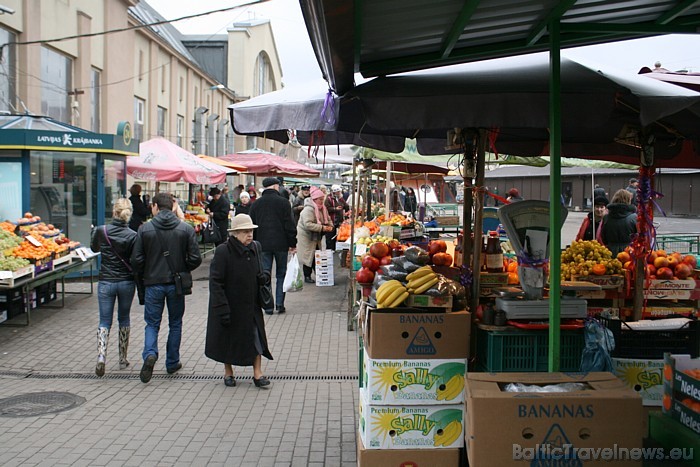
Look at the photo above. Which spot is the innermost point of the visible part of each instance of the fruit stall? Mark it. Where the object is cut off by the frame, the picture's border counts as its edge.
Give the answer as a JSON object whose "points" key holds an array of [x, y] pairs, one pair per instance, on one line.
{"points": [[34, 258]]}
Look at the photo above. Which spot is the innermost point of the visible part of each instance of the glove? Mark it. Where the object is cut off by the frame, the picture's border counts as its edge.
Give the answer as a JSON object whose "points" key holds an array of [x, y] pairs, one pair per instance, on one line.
{"points": [[225, 320]]}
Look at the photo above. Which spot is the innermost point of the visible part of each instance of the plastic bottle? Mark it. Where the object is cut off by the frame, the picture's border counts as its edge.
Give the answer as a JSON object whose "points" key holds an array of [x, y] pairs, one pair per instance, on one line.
{"points": [[483, 252], [494, 254]]}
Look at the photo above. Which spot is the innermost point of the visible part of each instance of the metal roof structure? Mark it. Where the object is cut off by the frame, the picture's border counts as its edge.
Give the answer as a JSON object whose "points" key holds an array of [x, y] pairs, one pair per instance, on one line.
{"points": [[382, 37]]}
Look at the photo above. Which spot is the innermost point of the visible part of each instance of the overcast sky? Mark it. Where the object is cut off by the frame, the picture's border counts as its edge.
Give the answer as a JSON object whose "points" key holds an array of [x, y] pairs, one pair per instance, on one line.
{"points": [[299, 63]]}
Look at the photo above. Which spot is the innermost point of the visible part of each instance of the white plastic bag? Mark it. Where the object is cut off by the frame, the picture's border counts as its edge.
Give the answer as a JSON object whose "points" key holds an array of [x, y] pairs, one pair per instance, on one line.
{"points": [[293, 279]]}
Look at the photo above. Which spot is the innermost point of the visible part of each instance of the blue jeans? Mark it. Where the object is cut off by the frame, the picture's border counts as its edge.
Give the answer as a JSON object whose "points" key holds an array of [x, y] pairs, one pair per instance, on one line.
{"points": [[156, 297], [280, 258], [107, 294]]}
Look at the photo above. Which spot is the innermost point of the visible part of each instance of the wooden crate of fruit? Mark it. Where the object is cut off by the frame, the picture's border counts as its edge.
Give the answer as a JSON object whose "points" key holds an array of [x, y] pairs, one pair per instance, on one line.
{"points": [[10, 278]]}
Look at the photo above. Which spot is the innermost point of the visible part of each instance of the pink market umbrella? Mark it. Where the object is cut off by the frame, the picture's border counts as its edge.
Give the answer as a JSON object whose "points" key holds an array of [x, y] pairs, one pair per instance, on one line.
{"points": [[163, 161], [261, 162]]}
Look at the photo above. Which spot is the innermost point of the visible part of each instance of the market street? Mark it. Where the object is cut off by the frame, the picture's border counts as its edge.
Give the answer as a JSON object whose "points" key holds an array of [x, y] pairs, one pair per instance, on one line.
{"points": [[308, 417]]}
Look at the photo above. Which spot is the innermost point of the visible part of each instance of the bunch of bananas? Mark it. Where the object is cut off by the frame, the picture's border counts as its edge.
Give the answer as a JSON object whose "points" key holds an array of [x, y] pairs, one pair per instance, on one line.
{"points": [[421, 280], [452, 389], [449, 435], [391, 294]]}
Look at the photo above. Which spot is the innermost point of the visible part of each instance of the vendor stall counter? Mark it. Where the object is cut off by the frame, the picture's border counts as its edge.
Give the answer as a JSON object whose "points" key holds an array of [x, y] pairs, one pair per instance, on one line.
{"points": [[59, 273]]}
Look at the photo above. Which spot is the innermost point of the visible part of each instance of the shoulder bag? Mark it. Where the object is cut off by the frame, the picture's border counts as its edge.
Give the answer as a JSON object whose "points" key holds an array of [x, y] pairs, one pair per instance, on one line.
{"points": [[267, 300], [183, 279]]}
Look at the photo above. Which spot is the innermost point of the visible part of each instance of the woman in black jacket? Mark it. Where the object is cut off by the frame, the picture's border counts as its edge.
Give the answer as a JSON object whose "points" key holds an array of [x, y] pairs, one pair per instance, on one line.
{"points": [[235, 325], [116, 281], [219, 208], [620, 223]]}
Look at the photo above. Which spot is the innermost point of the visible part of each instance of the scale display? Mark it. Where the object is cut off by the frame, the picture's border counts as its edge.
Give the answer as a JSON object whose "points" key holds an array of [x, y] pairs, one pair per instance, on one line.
{"points": [[527, 225]]}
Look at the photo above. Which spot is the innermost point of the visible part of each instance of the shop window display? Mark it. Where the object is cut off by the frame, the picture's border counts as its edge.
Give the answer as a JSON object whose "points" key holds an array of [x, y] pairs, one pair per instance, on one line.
{"points": [[62, 191]]}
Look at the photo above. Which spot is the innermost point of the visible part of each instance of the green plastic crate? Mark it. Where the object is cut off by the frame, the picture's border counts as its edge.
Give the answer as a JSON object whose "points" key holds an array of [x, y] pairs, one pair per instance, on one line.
{"points": [[685, 244], [515, 350]]}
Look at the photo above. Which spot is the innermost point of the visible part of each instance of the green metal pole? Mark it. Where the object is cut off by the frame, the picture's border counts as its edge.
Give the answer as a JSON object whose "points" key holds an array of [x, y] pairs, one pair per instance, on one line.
{"points": [[554, 194]]}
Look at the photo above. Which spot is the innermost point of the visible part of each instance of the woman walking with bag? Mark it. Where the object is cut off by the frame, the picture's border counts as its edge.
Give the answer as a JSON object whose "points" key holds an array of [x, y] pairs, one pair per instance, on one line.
{"points": [[314, 221], [116, 281], [235, 326]]}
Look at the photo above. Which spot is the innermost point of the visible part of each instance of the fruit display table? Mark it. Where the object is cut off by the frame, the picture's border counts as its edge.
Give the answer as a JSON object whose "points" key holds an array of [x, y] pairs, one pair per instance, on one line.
{"points": [[26, 285]]}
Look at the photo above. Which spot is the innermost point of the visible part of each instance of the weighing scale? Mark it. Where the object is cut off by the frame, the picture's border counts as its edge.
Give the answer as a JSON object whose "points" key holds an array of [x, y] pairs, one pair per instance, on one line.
{"points": [[527, 225]]}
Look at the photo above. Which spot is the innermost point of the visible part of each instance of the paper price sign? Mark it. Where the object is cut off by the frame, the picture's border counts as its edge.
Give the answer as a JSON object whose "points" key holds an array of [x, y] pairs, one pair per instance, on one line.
{"points": [[360, 249], [33, 240]]}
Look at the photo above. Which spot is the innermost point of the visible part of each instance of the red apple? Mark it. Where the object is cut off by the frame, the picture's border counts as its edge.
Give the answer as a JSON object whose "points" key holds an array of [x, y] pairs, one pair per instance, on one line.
{"points": [[437, 246], [664, 273], [364, 276], [683, 271], [385, 260], [691, 261], [370, 262], [651, 270], [661, 262], [379, 249]]}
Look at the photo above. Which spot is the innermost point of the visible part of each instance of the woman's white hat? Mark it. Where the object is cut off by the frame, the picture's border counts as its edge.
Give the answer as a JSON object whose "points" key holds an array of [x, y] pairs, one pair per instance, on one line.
{"points": [[242, 222]]}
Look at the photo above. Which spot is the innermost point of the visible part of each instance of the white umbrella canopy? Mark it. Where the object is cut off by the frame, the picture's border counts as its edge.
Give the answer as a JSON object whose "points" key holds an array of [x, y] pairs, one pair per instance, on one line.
{"points": [[602, 112]]}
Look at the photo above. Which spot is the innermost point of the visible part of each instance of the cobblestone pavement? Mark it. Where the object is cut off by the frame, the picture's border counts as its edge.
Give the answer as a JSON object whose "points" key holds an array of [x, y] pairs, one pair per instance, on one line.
{"points": [[308, 417]]}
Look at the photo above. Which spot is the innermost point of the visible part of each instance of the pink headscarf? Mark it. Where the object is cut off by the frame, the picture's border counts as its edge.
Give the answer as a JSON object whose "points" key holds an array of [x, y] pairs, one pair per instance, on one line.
{"points": [[322, 216]]}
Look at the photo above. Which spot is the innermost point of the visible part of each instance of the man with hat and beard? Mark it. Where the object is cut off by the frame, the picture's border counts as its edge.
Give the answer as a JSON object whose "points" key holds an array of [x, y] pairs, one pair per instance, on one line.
{"points": [[276, 233]]}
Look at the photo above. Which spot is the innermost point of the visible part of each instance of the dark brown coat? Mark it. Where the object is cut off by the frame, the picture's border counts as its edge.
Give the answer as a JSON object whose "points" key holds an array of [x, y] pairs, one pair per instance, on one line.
{"points": [[233, 290]]}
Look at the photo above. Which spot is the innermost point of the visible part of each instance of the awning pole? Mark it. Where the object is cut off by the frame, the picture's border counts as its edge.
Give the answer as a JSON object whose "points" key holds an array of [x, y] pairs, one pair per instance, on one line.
{"points": [[554, 194], [477, 198]]}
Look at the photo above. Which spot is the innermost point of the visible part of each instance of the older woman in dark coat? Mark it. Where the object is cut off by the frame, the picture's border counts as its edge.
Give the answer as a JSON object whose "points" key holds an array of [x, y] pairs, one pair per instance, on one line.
{"points": [[235, 327]]}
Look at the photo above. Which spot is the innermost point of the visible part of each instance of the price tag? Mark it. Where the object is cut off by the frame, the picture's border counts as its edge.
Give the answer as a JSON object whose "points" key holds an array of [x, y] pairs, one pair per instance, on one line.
{"points": [[33, 240], [5, 274], [360, 249], [82, 253]]}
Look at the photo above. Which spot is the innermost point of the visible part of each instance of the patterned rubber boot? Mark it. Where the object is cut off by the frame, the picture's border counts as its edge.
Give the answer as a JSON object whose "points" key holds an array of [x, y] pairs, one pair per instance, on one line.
{"points": [[102, 338], [123, 347]]}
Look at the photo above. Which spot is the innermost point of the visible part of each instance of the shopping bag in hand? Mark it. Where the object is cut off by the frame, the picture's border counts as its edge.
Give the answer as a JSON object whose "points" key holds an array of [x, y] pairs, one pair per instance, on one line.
{"points": [[293, 280]]}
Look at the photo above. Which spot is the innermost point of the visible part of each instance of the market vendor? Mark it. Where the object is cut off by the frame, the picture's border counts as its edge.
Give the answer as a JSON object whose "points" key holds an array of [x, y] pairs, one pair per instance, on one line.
{"points": [[336, 207], [600, 209]]}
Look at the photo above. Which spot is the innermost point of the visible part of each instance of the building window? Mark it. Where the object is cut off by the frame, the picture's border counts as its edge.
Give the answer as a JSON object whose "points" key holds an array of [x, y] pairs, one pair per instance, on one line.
{"points": [[55, 85], [7, 71], [139, 117], [182, 88], [162, 119], [95, 101], [140, 65], [264, 77], [163, 78], [196, 97], [180, 129]]}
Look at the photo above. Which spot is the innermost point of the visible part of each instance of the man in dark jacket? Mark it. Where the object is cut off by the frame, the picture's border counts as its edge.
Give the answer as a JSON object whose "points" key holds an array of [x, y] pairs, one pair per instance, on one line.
{"points": [[276, 233], [140, 211], [298, 204], [337, 207], [620, 223], [218, 209], [164, 235]]}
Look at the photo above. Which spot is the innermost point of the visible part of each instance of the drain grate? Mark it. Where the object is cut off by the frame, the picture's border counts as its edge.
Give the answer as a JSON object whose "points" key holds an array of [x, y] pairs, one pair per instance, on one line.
{"points": [[181, 377], [38, 403]]}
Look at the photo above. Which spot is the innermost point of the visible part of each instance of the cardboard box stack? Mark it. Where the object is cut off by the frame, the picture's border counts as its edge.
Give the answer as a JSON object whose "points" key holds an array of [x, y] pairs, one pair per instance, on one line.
{"points": [[681, 399], [599, 415], [324, 268], [412, 374], [638, 356]]}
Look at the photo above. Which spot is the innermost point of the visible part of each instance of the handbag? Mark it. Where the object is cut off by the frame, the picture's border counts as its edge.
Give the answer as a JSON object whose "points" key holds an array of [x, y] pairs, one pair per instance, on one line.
{"points": [[267, 300], [183, 279], [211, 233]]}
